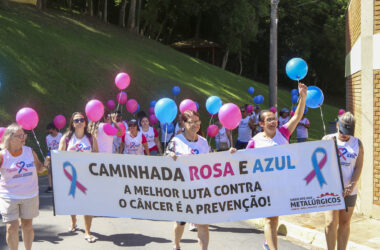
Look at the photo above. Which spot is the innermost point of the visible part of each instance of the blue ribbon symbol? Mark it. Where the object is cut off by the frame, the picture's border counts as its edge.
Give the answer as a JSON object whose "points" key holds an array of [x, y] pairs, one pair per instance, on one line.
{"points": [[318, 165], [73, 179]]}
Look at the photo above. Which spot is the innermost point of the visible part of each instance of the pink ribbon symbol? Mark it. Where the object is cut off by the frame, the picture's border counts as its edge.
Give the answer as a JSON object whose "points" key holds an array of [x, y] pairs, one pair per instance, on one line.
{"points": [[21, 165], [79, 147]]}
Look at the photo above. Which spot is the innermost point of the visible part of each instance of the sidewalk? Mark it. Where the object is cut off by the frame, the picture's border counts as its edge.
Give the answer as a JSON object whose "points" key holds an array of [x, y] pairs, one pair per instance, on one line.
{"points": [[309, 229]]}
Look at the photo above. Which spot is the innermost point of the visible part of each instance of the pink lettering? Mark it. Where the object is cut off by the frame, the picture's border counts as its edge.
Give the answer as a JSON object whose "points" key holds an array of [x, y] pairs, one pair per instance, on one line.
{"points": [[193, 172], [228, 169], [209, 172], [218, 170]]}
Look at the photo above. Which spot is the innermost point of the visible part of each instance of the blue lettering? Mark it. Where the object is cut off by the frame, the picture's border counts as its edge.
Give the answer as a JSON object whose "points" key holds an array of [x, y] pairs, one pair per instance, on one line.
{"points": [[282, 165], [269, 161], [258, 166], [289, 163]]}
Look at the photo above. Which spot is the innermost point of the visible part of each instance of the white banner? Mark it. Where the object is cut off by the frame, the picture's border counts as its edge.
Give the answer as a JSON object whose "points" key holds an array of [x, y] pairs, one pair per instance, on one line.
{"points": [[204, 189]]}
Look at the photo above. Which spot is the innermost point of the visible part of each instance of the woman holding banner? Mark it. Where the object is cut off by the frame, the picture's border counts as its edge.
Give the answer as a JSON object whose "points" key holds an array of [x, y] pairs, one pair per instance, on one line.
{"points": [[78, 139], [186, 143], [351, 153], [19, 165], [273, 136]]}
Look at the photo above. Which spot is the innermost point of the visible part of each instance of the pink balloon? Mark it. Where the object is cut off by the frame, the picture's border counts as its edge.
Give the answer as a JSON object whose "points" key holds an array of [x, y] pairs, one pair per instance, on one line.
{"points": [[273, 109], [121, 97], [212, 130], [123, 128], [59, 121], [2, 130], [187, 104], [94, 110], [153, 119], [151, 110], [111, 104], [132, 105], [249, 108], [229, 115], [341, 111], [27, 118], [109, 129], [122, 81]]}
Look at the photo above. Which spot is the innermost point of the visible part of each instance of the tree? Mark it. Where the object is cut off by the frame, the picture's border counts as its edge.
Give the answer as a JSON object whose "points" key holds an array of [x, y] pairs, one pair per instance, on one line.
{"points": [[273, 54], [123, 5], [131, 24], [105, 12]]}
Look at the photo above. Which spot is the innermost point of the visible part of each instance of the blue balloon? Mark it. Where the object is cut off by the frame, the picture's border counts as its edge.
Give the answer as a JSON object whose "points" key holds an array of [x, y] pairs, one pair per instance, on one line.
{"points": [[213, 104], [168, 127], [251, 90], [166, 110], [176, 90], [259, 99], [196, 104], [294, 92], [153, 103], [314, 97], [296, 68], [294, 99], [138, 109], [295, 107]]}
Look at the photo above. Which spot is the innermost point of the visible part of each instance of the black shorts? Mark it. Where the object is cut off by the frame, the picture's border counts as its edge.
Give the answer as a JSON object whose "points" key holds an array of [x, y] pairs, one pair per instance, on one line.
{"points": [[350, 200], [182, 223]]}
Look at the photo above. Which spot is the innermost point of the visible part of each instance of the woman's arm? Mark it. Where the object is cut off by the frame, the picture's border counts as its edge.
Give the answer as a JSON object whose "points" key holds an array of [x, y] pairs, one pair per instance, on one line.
{"points": [[229, 136], [158, 143], [293, 122], [145, 145], [357, 171], [114, 121], [62, 143], [39, 166], [95, 148]]}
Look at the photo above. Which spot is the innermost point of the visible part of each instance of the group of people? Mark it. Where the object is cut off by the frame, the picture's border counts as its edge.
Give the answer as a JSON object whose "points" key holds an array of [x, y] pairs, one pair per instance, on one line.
{"points": [[19, 164]]}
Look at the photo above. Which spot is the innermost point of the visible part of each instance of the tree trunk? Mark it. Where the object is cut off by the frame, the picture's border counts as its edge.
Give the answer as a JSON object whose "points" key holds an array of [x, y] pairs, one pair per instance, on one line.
{"points": [[198, 26], [225, 59], [122, 13], [40, 4], [131, 25], [240, 62], [105, 11], [69, 4], [138, 16], [273, 54], [90, 7]]}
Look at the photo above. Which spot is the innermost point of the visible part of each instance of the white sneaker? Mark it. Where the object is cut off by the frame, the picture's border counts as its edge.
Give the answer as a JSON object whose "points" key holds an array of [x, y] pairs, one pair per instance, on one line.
{"points": [[193, 227]]}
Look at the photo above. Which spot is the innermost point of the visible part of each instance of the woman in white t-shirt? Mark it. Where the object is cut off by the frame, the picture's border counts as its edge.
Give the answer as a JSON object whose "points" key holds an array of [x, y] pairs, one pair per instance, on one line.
{"points": [[187, 143], [351, 153], [223, 140], [134, 142], [78, 139], [105, 140], [52, 143], [151, 136], [19, 165], [284, 117], [273, 136], [302, 129]]}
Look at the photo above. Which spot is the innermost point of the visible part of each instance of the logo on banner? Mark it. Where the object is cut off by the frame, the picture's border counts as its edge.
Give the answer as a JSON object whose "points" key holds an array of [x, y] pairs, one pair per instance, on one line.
{"points": [[73, 178], [317, 167], [323, 200]]}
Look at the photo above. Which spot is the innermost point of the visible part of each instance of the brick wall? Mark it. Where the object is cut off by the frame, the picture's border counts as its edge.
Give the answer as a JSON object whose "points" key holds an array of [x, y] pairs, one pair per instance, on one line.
{"points": [[353, 23], [376, 20], [354, 99], [376, 138]]}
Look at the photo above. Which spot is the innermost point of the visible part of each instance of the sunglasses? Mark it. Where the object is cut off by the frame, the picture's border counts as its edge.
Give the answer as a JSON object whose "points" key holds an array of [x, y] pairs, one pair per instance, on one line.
{"points": [[80, 120], [340, 132]]}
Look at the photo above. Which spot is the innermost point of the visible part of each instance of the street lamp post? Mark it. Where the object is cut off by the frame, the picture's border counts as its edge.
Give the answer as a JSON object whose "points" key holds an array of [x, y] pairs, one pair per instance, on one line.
{"points": [[273, 54]]}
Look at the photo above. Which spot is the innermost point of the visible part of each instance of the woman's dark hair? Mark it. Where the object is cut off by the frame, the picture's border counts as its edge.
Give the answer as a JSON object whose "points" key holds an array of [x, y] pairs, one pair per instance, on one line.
{"points": [[187, 114], [71, 130], [51, 126], [262, 112], [140, 114]]}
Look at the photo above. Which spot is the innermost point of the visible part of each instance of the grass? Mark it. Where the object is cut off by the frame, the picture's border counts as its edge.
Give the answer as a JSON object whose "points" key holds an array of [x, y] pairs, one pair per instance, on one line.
{"points": [[55, 62]]}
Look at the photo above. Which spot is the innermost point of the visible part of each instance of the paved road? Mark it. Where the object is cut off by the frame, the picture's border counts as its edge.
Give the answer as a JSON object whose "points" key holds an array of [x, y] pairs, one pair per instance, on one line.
{"points": [[117, 233]]}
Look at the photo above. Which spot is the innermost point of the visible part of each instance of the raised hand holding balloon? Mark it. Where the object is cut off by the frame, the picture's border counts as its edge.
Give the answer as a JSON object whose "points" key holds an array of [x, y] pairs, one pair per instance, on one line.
{"points": [[27, 118]]}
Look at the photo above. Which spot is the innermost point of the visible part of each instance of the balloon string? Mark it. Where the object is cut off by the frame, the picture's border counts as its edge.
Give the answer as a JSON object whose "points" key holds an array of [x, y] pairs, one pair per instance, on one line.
{"points": [[166, 132], [209, 123], [38, 143], [323, 122], [118, 102]]}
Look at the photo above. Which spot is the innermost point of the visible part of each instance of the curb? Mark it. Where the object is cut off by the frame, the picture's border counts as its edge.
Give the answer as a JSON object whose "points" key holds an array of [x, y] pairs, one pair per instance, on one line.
{"points": [[306, 235]]}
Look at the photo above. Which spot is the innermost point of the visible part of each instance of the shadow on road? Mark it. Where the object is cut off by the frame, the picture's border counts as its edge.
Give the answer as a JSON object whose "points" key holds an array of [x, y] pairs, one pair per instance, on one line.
{"points": [[130, 240], [214, 228]]}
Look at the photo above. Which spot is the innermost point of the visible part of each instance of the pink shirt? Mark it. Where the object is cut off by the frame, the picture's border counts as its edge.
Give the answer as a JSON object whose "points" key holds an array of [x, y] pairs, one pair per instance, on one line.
{"points": [[281, 137]]}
